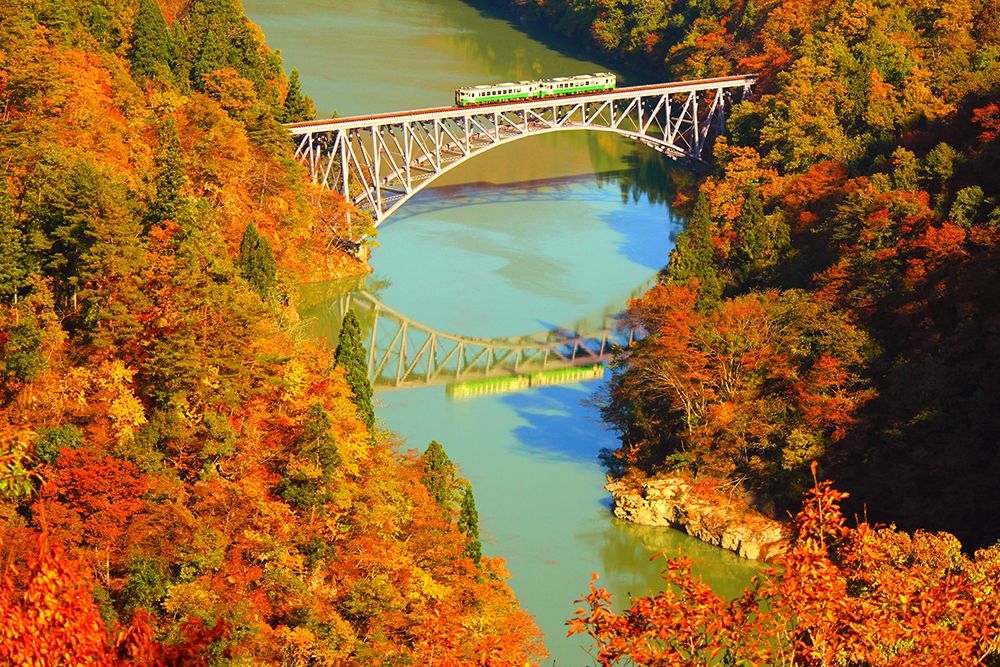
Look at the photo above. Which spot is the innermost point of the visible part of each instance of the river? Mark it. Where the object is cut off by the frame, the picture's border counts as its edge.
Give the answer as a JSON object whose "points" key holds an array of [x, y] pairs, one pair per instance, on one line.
{"points": [[553, 230]]}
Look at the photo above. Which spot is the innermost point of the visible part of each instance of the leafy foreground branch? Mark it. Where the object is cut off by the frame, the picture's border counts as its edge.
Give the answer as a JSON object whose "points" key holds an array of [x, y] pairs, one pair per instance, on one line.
{"points": [[846, 596]]}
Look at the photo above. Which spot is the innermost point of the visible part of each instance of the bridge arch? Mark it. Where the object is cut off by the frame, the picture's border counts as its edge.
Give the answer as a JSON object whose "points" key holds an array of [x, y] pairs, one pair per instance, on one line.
{"points": [[380, 162], [395, 201]]}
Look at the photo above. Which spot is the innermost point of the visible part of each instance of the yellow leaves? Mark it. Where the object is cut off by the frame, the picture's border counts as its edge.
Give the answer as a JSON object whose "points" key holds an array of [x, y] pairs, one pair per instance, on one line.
{"points": [[300, 646], [291, 561], [297, 645], [192, 599], [424, 587], [75, 385], [234, 93], [294, 375], [856, 22], [743, 170], [108, 386], [125, 411], [303, 469], [165, 102], [16, 453]]}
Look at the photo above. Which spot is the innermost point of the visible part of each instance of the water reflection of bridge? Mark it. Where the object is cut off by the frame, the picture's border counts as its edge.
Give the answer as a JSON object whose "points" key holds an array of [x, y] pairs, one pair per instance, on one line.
{"points": [[447, 197], [405, 353]]}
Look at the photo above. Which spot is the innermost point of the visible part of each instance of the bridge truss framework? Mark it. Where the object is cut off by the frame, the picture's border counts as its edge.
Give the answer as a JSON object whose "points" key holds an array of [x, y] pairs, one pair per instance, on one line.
{"points": [[405, 353], [379, 162]]}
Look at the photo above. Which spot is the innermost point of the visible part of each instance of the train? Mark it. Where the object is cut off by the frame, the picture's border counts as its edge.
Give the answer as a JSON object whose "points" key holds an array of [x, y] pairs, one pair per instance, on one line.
{"points": [[528, 90]]}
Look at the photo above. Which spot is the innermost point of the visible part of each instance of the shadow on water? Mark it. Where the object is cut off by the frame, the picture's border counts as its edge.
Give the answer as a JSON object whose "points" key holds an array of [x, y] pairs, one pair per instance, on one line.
{"points": [[559, 423], [636, 249], [447, 197]]}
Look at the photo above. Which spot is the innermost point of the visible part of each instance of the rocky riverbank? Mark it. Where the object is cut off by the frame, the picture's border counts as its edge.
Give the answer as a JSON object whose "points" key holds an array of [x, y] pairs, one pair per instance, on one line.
{"points": [[708, 516]]}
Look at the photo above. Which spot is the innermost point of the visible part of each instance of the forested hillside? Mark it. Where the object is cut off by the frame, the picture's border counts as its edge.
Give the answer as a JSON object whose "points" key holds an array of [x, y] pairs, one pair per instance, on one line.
{"points": [[834, 296], [183, 475]]}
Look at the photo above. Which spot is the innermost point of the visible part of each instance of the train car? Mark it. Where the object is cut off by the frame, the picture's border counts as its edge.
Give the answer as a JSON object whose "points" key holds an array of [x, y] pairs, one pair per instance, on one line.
{"points": [[581, 83], [497, 92], [525, 90]]}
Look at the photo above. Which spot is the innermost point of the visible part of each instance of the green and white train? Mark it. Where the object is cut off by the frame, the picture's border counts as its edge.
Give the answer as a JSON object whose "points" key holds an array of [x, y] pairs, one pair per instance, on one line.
{"points": [[527, 90]]}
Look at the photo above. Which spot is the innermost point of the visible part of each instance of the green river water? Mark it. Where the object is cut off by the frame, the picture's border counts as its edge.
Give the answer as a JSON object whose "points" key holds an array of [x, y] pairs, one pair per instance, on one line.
{"points": [[549, 231]]}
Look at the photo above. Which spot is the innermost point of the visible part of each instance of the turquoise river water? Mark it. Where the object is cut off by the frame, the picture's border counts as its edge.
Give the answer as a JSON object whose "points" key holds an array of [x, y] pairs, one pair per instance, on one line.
{"points": [[549, 231]]}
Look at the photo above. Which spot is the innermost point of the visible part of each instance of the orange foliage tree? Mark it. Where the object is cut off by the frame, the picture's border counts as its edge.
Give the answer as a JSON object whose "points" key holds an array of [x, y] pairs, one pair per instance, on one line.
{"points": [[754, 388], [50, 618], [845, 596]]}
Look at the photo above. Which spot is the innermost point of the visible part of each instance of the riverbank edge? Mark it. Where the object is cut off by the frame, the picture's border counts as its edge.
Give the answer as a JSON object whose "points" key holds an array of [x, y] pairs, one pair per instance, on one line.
{"points": [[710, 516]]}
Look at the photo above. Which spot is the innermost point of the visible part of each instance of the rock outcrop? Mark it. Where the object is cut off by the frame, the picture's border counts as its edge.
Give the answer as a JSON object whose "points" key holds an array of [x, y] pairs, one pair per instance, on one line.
{"points": [[712, 518]]}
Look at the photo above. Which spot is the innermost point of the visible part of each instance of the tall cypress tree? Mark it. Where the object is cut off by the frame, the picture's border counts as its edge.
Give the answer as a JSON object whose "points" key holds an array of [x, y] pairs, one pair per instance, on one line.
{"points": [[150, 41], [693, 255], [468, 523], [15, 264], [350, 355], [169, 175], [439, 476], [210, 58], [318, 445], [298, 107], [257, 262], [759, 241]]}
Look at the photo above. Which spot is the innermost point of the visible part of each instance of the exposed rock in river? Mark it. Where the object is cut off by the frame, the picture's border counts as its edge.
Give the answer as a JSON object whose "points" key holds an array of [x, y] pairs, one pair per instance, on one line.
{"points": [[712, 518]]}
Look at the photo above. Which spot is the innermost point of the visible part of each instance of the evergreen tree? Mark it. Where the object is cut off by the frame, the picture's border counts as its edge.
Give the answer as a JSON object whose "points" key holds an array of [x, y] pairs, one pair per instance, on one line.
{"points": [[181, 56], [350, 355], [15, 265], [693, 255], [210, 58], [302, 487], [150, 41], [170, 176], [468, 523], [257, 262], [759, 241], [752, 242], [74, 206], [439, 476], [297, 106]]}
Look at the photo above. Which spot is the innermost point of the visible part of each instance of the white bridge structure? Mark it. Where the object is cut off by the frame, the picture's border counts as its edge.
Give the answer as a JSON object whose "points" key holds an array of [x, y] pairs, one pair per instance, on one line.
{"points": [[405, 353], [378, 162]]}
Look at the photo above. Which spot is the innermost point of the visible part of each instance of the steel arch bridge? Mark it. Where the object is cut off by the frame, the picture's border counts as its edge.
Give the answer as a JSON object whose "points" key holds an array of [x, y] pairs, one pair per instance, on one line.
{"points": [[378, 162], [405, 353]]}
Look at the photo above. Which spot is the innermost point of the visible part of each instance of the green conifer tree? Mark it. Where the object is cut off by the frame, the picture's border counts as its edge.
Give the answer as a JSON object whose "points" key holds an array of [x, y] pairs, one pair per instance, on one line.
{"points": [[150, 41], [210, 58], [15, 264], [318, 446], [439, 476], [170, 176], [468, 523], [759, 240], [693, 255], [752, 242], [257, 262], [298, 107], [350, 355]]}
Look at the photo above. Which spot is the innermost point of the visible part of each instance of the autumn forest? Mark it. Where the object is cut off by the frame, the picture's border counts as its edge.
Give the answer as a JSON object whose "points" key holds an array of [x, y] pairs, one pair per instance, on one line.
{"points": [[188, 477]]}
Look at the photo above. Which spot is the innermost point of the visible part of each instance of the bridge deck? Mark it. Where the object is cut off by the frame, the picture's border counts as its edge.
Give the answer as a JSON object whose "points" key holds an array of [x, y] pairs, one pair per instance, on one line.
{"points": [[425, 114]]}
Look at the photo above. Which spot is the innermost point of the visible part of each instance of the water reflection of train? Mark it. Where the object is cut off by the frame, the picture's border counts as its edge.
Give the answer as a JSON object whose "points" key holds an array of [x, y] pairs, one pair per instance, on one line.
{"points": [[526, 90]]}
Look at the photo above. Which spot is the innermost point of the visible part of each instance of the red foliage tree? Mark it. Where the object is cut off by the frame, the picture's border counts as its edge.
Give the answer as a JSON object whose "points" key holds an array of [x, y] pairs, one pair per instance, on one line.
{"points": [[846, 596], [50, 618]]}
